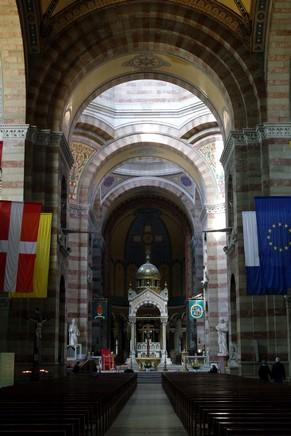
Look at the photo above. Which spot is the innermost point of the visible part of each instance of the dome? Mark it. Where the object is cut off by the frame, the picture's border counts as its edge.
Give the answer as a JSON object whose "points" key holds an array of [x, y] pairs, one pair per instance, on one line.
{"points": [[148, 270], [148, 275]]}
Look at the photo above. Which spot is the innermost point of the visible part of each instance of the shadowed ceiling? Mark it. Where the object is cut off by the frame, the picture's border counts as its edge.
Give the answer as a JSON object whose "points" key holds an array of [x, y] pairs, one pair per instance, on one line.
{"points": [[56, 6]]}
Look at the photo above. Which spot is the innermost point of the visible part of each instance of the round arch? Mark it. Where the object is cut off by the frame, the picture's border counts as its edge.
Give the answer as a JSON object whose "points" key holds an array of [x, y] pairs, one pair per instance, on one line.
{"points": [[160, 146], [132, 186], [154, 27]]}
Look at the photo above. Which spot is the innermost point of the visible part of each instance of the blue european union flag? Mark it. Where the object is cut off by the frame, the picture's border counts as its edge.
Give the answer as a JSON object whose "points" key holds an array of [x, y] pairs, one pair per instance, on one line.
{"points": [[274, 240]]}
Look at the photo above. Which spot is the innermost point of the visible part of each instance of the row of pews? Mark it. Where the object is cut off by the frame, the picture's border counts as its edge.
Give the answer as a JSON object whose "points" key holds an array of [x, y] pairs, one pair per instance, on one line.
{"points": [[224, 405], [79, 405]]}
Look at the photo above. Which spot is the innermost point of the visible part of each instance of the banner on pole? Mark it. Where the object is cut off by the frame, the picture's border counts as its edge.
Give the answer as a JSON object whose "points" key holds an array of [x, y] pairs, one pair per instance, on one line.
{"points": [[196, 309], [99, 309]]}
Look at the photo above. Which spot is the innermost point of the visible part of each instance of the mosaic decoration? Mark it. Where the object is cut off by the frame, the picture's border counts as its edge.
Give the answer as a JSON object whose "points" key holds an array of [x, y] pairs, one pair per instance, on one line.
{"points": [[186, 181], [146, 61], [81, 154], [110, 182]]}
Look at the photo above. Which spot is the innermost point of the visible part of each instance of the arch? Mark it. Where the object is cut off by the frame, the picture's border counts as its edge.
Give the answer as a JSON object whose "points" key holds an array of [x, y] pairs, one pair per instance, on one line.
{"points": [[151, 26], [186, 202], [161, 146], [147, 301]]}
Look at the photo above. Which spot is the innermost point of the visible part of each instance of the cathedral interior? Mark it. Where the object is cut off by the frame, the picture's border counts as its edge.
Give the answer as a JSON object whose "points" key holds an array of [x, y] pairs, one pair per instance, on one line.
{"points": [[146, 128]]}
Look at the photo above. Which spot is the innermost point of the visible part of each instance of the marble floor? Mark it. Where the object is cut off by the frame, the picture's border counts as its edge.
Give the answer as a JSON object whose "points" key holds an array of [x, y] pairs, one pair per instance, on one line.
{"points": [[148, 412]]}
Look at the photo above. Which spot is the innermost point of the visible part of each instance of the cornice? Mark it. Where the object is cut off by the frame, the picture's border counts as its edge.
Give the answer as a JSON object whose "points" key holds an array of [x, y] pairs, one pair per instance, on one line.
{"points": [[274, 131], [12, 131]]}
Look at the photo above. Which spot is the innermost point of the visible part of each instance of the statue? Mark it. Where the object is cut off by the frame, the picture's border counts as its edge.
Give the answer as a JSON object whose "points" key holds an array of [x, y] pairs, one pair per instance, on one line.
{"points": [[73, 333], [222, 340], [233, 356]]}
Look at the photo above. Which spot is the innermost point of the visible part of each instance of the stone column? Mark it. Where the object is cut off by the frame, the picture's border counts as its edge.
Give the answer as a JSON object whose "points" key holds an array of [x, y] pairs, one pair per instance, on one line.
{"points": [[164, 337], [132, 338]]}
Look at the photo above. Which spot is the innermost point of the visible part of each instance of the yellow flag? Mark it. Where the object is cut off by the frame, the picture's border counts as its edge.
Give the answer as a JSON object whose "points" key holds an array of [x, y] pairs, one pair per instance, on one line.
{"points": [[41, 266]]}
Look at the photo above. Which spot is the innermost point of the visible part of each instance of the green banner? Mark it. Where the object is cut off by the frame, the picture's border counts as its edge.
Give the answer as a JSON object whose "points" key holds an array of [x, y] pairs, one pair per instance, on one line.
{"points": [[196, 309]]}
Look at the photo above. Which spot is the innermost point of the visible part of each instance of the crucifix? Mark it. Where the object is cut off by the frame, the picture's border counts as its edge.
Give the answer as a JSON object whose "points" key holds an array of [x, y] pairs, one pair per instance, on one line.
{"points": [[148, 340], [38, 321]]}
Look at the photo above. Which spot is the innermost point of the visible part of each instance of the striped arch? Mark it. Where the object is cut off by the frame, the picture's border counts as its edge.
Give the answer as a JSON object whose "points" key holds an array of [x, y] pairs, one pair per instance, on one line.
{"points": [[183, 32], [160, 146], [132, 186]]}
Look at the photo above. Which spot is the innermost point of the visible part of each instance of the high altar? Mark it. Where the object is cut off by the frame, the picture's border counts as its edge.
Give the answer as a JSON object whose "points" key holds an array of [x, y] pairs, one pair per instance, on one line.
{"points": [[148, 317]]}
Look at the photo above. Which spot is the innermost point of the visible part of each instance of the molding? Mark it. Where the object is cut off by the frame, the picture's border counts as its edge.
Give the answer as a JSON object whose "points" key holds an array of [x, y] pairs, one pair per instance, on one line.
{"points": [[260, 24], [12, 131], [225, 16], [274, 131], [30, 19]]}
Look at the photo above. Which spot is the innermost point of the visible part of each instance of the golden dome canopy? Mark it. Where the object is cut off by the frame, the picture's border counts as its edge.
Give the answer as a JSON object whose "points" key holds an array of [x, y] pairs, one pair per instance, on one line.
{"points": [[148, 275]]}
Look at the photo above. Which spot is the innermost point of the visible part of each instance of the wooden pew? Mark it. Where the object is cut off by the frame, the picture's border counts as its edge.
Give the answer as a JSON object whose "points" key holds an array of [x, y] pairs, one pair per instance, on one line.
{"points": [[221, 405], [81, 405]]}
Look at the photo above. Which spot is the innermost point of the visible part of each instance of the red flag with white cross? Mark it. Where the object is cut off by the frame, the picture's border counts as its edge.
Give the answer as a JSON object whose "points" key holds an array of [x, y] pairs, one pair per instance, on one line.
{"points": [[18, 237]]}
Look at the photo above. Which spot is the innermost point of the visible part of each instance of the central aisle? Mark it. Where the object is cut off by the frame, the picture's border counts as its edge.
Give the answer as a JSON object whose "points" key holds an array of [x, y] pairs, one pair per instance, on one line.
{"points": [[148, 412]]}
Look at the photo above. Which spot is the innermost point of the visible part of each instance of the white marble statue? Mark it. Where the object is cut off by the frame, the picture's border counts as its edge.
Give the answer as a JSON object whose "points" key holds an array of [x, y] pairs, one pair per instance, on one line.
{"points": [[233, 356], [73, 332], [222, 330]]}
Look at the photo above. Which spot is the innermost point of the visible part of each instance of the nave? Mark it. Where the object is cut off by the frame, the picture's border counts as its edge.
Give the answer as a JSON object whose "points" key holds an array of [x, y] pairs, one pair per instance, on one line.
{"points": [[147, 412]]}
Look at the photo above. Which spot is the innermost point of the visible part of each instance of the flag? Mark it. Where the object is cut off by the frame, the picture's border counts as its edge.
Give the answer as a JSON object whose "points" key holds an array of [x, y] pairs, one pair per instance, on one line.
{"points": [[267, 246], [18, 235], [251, 248], [196, 309], [42, 260], [274, 240]]}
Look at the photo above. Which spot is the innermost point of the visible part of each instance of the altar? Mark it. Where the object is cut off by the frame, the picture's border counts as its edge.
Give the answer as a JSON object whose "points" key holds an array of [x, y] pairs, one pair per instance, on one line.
{"points": [[147, 362], [148, 317]]}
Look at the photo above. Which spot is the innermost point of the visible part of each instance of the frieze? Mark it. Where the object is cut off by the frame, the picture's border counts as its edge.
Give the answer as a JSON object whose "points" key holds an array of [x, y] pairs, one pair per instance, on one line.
{"points": [[268, 131], [11, 131], [227, 17], [250, 136]]}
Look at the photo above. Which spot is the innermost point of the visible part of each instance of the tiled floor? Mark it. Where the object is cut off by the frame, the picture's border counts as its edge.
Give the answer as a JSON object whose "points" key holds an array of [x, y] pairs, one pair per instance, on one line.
{"points": [[148, 412]]}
